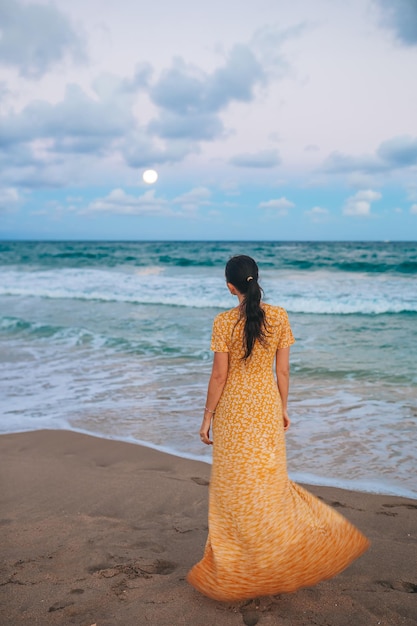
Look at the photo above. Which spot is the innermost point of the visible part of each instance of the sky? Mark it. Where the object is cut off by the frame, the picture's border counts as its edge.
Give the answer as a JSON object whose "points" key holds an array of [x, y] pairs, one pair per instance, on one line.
{"points": [[264, 119]]}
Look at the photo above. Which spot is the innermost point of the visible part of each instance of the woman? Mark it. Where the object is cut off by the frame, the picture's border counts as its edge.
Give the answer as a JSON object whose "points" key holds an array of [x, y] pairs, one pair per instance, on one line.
{"points": [[267, 535]]}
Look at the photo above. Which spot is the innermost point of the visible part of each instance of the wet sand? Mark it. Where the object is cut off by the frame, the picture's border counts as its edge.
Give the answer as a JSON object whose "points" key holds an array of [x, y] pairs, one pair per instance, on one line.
{"points": [[98, 532]]}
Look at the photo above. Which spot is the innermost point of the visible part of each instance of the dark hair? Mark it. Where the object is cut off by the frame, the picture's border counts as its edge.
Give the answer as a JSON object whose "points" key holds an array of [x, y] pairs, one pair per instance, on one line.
{"points": [[242, 272]]}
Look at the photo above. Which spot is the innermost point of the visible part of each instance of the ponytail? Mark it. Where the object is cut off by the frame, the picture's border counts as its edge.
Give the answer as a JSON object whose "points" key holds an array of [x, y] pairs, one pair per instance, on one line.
{"points": [[242, 273]]}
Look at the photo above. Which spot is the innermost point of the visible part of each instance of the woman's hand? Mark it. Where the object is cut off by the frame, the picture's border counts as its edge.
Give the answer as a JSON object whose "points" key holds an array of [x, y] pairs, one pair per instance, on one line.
{"points": [[286, 419], [205, 431]]}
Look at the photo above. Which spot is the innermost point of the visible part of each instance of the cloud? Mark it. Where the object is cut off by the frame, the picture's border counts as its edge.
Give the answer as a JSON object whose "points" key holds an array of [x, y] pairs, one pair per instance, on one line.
{"points": [[190, 100], [278, 203], [360, 203], [78, 123], [139, 150], [392, 154], [193, 199], [119, 202], [46, 136], [413, 209], [269, 40], [141, 77], [339, 163], [76, 137], [401, 17], [4, 89], [196, 126], [96, 127], [34, 37], [279, 206], [262, 159], [10, 199], [399, 151], [317, 214], [184, 89]]}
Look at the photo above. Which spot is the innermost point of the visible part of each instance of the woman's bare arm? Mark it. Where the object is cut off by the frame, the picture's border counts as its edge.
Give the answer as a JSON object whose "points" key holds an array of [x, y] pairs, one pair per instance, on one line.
{"points": [[215, 388], [282, 362]]}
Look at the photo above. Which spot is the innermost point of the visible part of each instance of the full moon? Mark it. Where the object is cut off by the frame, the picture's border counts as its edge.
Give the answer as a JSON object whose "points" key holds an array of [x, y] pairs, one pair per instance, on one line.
{"points": [[150, 176]]}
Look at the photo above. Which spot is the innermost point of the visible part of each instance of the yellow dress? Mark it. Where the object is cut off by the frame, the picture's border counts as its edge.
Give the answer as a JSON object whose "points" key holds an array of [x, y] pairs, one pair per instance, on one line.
{"points": [[267, 535]]}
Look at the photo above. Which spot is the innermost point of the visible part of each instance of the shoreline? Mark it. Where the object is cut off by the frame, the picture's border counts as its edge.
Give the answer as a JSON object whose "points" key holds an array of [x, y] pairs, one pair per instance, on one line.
{"points": [[102, 532], [307, 479]]}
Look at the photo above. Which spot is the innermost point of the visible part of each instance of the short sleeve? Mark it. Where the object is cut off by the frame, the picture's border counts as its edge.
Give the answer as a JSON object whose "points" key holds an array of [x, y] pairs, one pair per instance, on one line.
{"points": [[219, 335], [286, 338]]}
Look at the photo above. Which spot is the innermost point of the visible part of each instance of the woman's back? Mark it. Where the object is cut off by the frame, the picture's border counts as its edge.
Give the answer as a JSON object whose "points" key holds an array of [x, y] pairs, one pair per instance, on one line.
{"points": [[228, 330]]}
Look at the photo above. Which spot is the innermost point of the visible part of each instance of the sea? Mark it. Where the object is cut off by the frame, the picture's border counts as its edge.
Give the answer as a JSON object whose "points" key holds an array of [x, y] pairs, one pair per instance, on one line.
{"points": [[112, 339]]}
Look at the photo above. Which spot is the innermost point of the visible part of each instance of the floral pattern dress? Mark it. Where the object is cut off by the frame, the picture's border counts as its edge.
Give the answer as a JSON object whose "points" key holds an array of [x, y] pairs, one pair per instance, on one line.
{"points": [[267, 535]]}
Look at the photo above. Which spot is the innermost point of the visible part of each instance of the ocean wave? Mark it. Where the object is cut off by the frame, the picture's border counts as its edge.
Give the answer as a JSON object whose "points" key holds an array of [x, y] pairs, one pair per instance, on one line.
{"points": [[397, 258], [13, 326], [72, 336], [321, 294]]}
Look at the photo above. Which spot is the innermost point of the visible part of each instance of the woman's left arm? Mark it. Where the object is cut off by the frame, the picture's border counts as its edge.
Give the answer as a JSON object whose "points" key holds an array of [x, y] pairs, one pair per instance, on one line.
{"points": [[283, 381], [215, 389]]}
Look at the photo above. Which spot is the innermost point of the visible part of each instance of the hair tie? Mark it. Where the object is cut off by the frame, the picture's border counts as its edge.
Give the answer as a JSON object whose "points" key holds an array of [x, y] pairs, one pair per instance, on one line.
{"points": [[249, 278]]}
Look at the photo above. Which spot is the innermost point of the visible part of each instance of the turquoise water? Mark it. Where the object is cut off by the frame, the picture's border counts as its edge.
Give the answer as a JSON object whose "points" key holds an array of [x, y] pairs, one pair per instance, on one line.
{"points": [[113, 339]]}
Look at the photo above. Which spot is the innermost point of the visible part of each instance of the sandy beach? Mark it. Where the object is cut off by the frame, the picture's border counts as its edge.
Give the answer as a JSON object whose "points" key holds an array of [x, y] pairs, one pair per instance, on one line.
{"points": [[100, 532]]}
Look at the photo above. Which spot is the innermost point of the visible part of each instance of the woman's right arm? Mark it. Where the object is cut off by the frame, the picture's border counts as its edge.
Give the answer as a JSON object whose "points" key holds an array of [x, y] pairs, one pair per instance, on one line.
{"points": [[215, 389], [282, 364]]}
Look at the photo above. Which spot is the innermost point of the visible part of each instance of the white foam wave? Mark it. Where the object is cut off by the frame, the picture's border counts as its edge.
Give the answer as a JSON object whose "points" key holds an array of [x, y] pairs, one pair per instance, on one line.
{"points": [[324, 293]]}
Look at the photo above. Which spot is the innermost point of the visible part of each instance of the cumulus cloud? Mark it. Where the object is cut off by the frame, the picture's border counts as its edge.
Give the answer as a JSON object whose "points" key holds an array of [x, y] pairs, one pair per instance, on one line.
{"points": [[34, 37], [139, 150], [190, 100], [120, 202], [277, 203], [193, 199], [149, 204], [10, 199], [184, 88], [339, 163], [45, 135], [196, 126], [262, 159], [360, 203], [279, 206], [317, 214], [399, 151], [395, 153], [72, 122], [140, 79], [401, 17], [268, 41], [49, 143], [103, 124]]}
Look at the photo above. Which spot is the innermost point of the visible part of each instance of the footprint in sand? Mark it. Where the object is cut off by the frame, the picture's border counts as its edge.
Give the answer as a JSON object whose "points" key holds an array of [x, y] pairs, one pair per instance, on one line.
{"points": [[200, 481], [58, 606], [405, 506], [389, 513], [146, 569], [250, 612], [336, 504], [160, 567], [399, 585]]}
